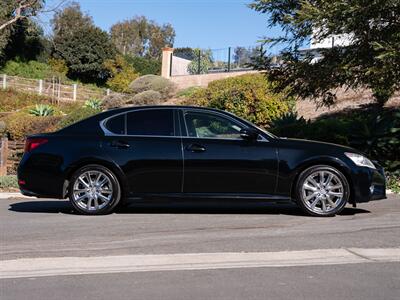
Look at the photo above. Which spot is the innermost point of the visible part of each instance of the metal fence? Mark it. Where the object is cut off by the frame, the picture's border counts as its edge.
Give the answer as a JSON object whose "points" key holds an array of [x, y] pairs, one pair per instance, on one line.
{"points": [[53, 88], [188, 61]]}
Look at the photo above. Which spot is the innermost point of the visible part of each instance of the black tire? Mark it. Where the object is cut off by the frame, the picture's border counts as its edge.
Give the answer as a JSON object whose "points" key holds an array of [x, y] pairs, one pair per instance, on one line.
{"points": [[318, 209], [115, 194]]}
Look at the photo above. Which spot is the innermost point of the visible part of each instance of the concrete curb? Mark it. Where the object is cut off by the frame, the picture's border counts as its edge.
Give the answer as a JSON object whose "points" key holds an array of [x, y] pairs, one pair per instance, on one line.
{"points": [[56, 266], [9, 195]]}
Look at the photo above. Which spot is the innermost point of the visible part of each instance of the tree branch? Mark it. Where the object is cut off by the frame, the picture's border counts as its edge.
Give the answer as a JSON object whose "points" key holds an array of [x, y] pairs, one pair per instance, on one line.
{"points": [[19, 12]]}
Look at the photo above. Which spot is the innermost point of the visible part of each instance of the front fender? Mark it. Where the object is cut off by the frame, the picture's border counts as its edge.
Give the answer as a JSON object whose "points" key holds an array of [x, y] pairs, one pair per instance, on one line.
{"points": [[289, 171]]}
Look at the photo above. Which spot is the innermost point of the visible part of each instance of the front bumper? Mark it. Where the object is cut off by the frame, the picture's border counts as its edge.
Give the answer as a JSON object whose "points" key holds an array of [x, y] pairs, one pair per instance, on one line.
{"points": [[368, 184]]}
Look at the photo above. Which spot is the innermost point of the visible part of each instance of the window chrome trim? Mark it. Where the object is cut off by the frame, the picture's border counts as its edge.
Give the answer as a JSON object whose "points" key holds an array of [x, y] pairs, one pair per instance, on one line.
{"points": [[107, 132]]}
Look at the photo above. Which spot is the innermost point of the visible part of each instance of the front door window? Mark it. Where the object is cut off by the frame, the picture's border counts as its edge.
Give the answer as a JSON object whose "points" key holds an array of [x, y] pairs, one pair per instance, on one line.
{"points": [[203, 125]]}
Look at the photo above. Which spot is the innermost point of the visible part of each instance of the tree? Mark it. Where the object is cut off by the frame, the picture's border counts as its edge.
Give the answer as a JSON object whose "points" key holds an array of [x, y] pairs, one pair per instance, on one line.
{"points": [[25, 42], [185, 53], [13, 11], [83, 46], [159, 37], [203, 65], [144, 66], [142, 37], [372, 59], [241, 56]]}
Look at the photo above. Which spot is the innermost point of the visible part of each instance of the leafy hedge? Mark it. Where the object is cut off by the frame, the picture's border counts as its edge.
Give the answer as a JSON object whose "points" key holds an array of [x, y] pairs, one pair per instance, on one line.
{"points": [[8, 182], [248, 96], [145, 66], [31, 69], [21, 124]]}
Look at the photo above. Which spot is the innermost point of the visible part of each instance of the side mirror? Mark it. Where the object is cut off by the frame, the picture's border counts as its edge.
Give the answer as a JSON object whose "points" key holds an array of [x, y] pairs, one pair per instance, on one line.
{"points": [[249, 134]]}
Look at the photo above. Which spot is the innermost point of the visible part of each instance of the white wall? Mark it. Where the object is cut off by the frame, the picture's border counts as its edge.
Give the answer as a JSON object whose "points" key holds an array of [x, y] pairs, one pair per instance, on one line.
{"points": [[180, 66], [335, 40]]}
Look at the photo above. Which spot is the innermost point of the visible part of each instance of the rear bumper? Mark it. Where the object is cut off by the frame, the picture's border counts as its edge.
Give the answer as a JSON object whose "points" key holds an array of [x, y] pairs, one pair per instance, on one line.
{"points": [[368, 184], [41, 181]]}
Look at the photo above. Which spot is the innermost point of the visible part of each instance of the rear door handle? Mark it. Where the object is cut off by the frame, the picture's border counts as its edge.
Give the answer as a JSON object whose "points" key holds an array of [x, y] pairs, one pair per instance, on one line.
{"points": [[120, 144], [195, 148]]}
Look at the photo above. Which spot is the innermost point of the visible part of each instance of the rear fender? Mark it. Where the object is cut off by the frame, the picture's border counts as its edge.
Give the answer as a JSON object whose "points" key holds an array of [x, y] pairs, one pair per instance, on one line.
{"points": [[109, 164]]}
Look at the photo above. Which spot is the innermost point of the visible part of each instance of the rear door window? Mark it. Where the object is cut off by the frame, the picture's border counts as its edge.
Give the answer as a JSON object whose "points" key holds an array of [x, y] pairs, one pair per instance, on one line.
{"points": [[152, 122]]}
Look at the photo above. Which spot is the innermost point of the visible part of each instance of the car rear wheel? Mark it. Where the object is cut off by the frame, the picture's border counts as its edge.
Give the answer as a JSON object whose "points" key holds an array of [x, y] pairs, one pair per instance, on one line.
{"points": [[94, 190], [322, 191]]}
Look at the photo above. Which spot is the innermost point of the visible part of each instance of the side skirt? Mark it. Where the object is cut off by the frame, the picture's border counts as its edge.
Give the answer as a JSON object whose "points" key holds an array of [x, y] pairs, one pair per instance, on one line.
{"points": [[205, 197]]}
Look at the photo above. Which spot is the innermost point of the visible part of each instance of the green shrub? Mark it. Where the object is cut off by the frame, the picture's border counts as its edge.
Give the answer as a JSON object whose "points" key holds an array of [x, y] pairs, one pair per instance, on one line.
{"points": [[31, 69], [147, 98], [122, 74], [290, 118], [8, 182], [248, 96], [58, 67], [338, 130], [67, 107], [93, 103], [3, 128], [42, 110], [115, 101], [393, 181], [11, 100], [188, 92], [75, 116], [144, 65], [153, 83], [21, 124]]}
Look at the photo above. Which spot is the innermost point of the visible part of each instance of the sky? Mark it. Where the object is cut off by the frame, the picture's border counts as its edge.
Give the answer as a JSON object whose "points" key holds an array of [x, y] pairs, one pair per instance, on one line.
{"points": [[211, 24]]}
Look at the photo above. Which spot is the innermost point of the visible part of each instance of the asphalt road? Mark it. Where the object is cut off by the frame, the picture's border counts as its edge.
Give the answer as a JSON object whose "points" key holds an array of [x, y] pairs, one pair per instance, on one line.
{"points": [[45, 231]]}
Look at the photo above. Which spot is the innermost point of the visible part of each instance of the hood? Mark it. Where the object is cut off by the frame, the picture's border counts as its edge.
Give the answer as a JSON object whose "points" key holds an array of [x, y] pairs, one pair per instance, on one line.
{"points": [[316, 145]]}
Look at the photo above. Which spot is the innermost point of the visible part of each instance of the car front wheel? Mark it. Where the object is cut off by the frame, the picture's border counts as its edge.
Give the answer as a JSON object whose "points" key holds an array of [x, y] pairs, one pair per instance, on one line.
{"points": [[94, 190], [322, 191]]}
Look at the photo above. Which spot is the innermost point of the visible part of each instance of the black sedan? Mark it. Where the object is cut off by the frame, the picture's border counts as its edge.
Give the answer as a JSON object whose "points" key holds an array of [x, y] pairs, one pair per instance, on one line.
{"points": [[136, 154]]}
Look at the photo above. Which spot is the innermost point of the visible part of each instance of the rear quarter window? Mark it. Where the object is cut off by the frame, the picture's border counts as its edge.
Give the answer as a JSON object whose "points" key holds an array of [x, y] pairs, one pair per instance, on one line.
{"points": [[116, 124]]}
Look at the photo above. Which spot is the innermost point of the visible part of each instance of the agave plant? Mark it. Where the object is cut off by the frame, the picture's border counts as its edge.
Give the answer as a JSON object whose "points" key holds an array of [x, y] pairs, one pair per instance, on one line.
{"points": [[42, 110], [93, 103]]}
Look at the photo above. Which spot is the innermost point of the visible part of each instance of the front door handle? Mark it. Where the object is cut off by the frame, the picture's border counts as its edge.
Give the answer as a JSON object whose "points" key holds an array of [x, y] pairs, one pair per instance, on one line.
{"points": [[195, 148], [120, 144]]}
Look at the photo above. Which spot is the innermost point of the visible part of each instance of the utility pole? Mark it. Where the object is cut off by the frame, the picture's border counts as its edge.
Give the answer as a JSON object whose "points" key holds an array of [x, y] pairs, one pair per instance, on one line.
{"points": [[229, 59]]}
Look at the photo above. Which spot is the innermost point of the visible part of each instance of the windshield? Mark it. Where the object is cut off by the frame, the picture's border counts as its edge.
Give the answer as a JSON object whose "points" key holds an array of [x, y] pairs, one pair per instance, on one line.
{"points": [[266, 132]]}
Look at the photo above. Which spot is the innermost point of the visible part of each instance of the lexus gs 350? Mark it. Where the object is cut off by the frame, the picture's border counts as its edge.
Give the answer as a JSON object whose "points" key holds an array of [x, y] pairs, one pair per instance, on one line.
{"points": [[136, 154]]}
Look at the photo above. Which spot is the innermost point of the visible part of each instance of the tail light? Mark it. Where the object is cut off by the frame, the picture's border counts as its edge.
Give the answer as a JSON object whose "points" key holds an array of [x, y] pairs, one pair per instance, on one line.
{"points": [[33, 143]]}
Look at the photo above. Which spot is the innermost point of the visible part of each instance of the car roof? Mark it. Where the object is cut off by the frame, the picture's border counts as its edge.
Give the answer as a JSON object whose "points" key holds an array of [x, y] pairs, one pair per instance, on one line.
{"points": [[166, 106]]}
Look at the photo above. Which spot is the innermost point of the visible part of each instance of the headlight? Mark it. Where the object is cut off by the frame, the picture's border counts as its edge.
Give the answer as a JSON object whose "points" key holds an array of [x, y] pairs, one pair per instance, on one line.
{"points": [[360, 160]]}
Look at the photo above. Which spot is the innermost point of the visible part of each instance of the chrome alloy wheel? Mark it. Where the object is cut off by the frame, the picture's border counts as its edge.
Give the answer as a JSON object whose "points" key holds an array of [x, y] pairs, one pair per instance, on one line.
{"points": [[92, 191], [322, 192]]}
